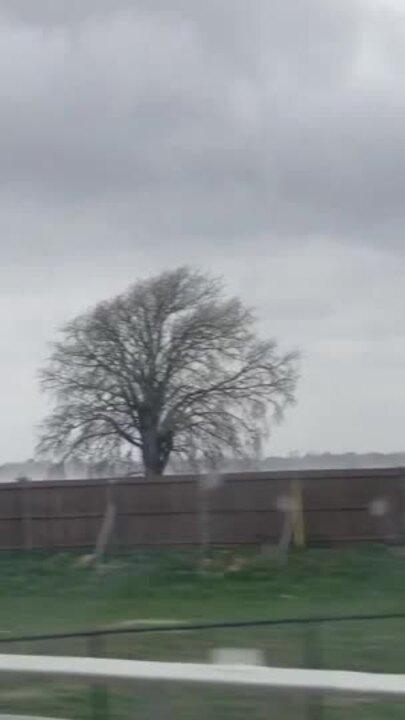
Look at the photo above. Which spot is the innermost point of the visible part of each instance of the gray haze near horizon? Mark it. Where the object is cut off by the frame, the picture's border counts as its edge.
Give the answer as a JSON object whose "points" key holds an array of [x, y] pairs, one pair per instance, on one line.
{"points": [[262, 140]]}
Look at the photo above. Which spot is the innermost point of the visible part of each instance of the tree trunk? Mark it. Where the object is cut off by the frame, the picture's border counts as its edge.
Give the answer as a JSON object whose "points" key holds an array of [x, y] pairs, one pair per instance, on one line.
{"points": [[153, 468], [151, 453]]}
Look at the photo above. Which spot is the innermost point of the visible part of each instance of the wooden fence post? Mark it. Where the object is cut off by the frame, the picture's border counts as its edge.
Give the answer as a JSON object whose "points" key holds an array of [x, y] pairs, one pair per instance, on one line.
{"points": [[298, 513], [206, 485], [25, 513], [107, 527]]}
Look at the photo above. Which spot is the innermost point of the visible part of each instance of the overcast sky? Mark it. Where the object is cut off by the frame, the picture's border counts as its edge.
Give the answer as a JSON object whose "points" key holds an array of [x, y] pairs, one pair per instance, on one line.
{"points": [[260, 139]]}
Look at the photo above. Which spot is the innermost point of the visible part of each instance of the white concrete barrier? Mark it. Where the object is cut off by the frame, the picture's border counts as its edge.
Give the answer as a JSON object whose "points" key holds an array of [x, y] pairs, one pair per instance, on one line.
{"points": [[105, 671]]}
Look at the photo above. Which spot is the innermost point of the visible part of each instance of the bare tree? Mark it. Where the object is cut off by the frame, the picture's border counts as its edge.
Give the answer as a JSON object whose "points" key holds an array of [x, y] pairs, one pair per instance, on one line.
{"points": [[171, 366]]}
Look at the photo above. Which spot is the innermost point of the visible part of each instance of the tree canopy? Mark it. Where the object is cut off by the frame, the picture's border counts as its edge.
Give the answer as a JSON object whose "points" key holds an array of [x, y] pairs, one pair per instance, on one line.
{"points": [[170, 366]]}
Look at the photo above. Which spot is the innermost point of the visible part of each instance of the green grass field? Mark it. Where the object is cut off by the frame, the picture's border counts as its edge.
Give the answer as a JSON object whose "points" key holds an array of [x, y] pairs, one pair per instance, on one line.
{"points": [[41, 593]]}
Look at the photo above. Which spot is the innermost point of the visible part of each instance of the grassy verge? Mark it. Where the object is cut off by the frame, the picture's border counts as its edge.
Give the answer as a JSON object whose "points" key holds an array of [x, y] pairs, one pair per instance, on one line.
{"points": [[40, 593]]}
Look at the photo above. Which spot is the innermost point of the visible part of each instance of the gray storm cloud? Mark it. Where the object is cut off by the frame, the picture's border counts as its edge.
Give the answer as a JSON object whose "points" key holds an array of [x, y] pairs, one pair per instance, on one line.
{"points": [[260, 139]]}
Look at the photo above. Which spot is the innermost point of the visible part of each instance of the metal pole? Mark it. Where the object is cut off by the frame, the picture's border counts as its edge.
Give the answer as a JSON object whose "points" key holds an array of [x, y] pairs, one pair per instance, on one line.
{"points": [[99, 699], [314, 708]]}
